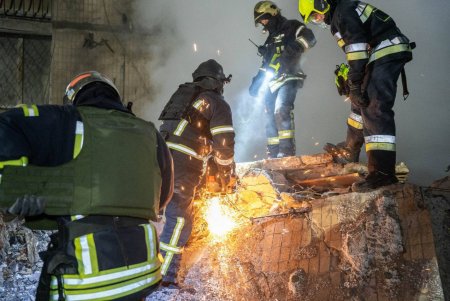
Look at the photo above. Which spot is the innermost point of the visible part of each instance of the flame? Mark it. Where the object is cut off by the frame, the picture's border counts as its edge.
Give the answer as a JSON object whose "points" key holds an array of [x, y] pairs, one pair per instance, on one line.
{"points": [[219, 218]]}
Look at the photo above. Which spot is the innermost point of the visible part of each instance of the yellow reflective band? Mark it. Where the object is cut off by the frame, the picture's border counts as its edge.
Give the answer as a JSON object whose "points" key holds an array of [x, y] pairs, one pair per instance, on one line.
{"points": [[30, 110], [86, 254], [287, 134], [380, 146], [198, 103], [150, 240], [355, 124], [76, 217], [180, 128], [109, 292], [359, 55], [377, 54], [184, 149], [222, 129], [341, 43], [364, 11], [79, 139], [380, 138], [355, 47], [23, 161], [273, 141], [172, 246]]}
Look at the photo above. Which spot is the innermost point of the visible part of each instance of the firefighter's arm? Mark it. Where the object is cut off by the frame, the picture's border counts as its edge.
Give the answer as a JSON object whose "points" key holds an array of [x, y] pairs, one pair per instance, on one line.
{"points": [[166, 166], [357, 53], [299, 39]]}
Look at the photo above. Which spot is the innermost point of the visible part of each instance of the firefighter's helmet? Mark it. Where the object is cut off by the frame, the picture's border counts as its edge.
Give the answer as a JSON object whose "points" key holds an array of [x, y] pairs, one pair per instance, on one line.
{"points": [[82, 80], [264, 9], [308, 7], [210, 68]]}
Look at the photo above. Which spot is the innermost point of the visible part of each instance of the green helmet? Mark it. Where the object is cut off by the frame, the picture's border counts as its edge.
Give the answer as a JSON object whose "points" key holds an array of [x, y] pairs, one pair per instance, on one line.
{"points": [[265, 8], [307, 7], [82, 80]]}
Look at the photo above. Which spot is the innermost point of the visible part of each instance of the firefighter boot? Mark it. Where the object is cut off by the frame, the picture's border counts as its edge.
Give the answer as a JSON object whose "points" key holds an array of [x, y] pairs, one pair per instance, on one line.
{"points": [[381, 167], [341, 153]]}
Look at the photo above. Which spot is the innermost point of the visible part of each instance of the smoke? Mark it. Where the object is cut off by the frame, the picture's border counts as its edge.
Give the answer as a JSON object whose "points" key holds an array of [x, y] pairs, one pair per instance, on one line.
{"points": [[220, 30]]}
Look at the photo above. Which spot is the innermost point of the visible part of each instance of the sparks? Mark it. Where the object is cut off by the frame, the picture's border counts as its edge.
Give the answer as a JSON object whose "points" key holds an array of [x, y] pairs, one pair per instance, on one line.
{"points": [[219, 218], [195, 47], [317, 143], [218, 52]]}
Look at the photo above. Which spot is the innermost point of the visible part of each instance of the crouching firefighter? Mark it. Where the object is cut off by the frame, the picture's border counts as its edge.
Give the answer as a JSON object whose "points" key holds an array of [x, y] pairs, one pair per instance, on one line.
{"points": [[376, 51], [98, 174], [197, 124], [280, 75]]}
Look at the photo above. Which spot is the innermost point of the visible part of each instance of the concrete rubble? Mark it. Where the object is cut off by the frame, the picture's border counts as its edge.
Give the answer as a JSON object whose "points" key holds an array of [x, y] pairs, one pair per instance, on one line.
{"points": [[295, 232]]}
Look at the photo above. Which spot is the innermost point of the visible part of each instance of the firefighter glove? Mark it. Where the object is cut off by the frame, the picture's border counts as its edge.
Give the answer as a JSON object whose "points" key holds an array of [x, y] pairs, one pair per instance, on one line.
{"points": [[227, 177], [357, 97], [28, 205], [341, 79]]}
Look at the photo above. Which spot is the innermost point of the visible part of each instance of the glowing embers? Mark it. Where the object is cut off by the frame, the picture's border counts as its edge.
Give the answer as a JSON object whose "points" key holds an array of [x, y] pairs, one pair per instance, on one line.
{"points": [[220, 217]]}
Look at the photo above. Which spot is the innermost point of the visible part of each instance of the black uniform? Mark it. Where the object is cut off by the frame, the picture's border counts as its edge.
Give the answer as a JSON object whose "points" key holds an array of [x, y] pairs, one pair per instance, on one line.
{"points": [[376, 52], [282, 50], [52, 135], [206, 130]]}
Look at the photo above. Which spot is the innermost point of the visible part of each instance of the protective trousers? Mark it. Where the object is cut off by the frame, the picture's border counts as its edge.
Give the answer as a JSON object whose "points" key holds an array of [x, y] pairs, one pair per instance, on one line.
{"points": [[179, 214], [378, 117], [280, 127]]}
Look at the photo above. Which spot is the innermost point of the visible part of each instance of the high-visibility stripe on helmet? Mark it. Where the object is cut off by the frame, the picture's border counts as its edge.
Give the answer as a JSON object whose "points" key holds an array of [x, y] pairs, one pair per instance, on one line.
{"points": [[222, 129], [355, 121], [30, 110]]}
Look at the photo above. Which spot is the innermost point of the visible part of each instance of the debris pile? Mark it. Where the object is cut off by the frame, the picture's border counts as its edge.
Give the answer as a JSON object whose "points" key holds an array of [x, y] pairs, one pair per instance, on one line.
{"points": [[294, 231]]}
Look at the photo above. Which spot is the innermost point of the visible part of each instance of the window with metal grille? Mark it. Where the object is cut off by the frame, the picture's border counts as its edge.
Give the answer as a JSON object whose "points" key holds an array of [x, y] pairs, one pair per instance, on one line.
{"points": [[24, 69]]}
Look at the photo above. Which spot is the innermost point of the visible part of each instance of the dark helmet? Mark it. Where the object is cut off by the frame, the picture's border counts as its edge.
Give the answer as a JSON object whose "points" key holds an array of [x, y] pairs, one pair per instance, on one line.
{"points": [[82, 80], [210, 68], [264, 9]]}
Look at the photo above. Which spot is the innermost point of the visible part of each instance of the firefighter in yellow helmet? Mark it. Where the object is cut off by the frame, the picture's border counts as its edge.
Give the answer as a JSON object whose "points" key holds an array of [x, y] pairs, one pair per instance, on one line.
{"points": [[280, 75], [98, 174], [376, 52]]}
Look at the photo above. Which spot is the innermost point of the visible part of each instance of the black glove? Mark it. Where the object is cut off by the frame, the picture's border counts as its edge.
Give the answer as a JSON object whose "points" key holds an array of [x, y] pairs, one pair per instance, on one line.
{"points": [[262, 50], [227, 177], [357, 97], [28, 205]]}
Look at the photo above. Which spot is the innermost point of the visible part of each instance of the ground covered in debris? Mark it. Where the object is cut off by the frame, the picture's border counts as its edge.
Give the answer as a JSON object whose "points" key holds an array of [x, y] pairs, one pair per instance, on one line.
{"points": [[292, 231]]}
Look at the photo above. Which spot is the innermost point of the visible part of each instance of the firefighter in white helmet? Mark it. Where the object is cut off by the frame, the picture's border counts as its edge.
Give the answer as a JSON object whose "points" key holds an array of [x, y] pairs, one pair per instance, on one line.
{"points": [[280, 75]]}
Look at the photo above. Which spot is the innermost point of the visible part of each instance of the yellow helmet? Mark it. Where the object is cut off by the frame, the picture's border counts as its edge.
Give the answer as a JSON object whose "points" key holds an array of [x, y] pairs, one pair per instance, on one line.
{"points": [[265, 8], [307, 7]]}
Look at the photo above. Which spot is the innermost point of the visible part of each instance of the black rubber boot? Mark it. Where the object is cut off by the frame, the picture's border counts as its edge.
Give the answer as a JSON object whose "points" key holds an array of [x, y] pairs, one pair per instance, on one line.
{"points": [[373, 181]]}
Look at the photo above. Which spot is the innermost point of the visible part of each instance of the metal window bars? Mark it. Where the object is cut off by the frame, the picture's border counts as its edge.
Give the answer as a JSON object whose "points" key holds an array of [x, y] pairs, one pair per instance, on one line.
{"points": [[33, 9]]}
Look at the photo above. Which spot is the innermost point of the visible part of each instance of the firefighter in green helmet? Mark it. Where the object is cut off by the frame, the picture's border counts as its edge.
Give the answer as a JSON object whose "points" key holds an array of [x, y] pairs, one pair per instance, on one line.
{"points": [[280, 75], [98, 174], [376, 51]]}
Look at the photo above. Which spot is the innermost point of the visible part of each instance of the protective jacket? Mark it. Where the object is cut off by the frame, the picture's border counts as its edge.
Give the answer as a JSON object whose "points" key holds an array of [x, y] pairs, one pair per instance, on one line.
{"points": [[208, 129], [82, 160], [287, 40], [366, 34]]}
